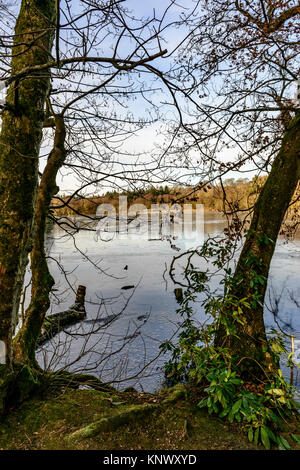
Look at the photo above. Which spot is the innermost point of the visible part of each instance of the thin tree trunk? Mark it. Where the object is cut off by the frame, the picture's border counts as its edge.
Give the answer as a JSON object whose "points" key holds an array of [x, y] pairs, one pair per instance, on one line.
{"points": [[25, 342], [251, 274], [20, 139]]}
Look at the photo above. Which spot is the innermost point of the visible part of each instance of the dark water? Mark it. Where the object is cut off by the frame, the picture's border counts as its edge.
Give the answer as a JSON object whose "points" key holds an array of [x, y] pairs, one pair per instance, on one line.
{"points": [[145, 316]]}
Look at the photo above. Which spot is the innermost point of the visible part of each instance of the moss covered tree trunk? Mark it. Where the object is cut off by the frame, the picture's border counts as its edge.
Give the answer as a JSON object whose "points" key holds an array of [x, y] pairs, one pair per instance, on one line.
{"points": [[20, 139], [25, 342], [251, 274]]}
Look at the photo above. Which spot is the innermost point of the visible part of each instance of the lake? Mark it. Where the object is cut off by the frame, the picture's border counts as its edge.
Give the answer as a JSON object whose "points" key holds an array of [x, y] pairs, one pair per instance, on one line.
{"points": [[120, 337]]}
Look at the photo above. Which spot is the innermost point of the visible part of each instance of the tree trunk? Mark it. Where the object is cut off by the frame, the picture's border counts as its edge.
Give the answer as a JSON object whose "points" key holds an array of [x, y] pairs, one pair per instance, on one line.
{"points": [[251, 274], [25, 342], [20, 139]]}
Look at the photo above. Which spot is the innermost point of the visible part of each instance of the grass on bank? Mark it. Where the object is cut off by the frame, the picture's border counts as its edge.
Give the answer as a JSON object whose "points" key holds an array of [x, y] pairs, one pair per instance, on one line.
{"points": [[173, 422]]}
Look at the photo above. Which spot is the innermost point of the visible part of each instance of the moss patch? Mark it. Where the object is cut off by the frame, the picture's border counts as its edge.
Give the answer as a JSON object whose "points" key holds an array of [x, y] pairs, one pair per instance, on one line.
{"points": [[48, 424]]}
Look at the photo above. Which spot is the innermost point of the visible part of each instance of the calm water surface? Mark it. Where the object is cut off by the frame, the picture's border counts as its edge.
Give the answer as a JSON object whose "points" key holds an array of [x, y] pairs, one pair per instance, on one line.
{"points": [[124, 328]]}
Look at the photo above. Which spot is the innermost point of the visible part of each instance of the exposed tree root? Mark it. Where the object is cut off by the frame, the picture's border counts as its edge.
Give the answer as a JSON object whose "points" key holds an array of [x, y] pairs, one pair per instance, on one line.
{"points": [[67, 379], [22, 381], [135, 413], [176, 393], [132, 414], [17, 385]]}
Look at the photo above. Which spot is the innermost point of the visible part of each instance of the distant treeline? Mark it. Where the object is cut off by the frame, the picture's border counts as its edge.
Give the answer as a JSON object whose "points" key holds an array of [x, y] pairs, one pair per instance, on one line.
{"points": [[230, 195]]}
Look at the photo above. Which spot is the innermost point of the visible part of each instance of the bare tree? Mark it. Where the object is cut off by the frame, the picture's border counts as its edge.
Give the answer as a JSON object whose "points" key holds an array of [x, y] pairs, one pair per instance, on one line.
{"points": [[70, 70], [241, 62]]}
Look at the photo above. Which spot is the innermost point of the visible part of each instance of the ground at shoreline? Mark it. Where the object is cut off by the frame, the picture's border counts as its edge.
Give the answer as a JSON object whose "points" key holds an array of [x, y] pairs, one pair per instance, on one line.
{"points": [[77, 419]]}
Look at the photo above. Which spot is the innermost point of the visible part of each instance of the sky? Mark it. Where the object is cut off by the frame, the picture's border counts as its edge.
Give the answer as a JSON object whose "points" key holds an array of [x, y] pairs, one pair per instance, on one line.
{"points": [[146, 139]]}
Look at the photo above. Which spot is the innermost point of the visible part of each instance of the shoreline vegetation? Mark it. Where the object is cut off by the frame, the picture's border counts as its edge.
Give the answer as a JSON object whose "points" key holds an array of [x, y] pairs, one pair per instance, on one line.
{"points": [[157, 107], [83, 416], [89, 419], [86, 418], [79, 412], [232, 196]]}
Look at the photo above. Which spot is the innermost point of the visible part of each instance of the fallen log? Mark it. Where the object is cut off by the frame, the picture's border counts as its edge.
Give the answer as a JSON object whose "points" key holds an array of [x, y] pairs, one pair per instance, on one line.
{"points": [[56, 322]]}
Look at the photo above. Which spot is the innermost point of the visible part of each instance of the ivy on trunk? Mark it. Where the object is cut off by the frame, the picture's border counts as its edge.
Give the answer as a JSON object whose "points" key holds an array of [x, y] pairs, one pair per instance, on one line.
{"points": [[20, 139], [249, 343]]}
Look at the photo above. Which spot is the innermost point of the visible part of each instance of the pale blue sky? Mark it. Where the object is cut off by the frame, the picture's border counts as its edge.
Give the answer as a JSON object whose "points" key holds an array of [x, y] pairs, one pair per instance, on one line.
{"points": [[147, 138]]}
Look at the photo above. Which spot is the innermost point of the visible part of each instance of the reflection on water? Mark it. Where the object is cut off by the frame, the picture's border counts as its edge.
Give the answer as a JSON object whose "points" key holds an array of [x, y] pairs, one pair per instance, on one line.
{"points": [[145, 315]]}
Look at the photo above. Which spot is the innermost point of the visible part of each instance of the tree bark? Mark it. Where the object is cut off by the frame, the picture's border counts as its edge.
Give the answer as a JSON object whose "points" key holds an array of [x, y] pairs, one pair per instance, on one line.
{"points": [[24, 344], [252, 270], [20, 138]]}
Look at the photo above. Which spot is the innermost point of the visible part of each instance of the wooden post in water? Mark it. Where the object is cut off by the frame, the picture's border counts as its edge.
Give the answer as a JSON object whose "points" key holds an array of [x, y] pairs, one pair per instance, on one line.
{"points": [[56, 322], [80, 295]]}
